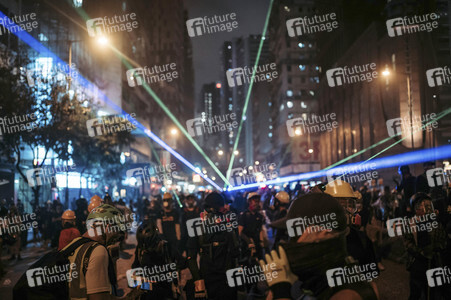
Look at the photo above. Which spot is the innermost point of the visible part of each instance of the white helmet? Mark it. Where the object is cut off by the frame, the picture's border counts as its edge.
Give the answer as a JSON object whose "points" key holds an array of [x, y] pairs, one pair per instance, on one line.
{"points": [[283, 197], [341, 189]]}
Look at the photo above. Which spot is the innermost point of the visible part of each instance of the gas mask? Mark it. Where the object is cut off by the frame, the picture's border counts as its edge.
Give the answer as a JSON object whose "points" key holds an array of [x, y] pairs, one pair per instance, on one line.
{"points": [[310, 260], [190, 204]]}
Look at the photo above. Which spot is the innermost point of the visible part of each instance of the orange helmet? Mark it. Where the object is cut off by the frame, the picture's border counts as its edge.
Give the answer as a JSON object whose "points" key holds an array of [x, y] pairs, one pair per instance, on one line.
{"points": [[68, 215], [93, 205], [95, 198], [95, 201]]}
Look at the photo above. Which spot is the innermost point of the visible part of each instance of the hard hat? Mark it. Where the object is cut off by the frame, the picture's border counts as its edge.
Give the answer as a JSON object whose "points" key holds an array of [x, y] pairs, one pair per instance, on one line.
{"points": [[167, 196], [107, 212], [95, 201], [68, 215], [94, 198], [340, 189], [252, 195], [93, 205], [283, 197]]}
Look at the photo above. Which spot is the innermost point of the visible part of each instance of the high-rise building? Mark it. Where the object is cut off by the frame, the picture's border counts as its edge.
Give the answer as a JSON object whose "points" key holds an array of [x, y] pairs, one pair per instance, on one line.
{"points": [[241, 53], [294, 93], [368, 112]]}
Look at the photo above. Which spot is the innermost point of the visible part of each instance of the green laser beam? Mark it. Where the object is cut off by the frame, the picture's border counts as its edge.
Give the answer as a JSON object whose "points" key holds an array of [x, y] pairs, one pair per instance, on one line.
{"points": [[177, 123], [124, 59], [246, 103], [439, 116]]}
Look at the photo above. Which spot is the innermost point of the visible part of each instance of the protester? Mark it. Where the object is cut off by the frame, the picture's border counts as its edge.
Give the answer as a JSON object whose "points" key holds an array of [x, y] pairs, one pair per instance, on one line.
{"points": [[69, 231]]}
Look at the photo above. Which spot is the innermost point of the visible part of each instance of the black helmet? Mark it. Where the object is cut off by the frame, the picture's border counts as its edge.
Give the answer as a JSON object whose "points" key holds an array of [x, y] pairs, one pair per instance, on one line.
{"points": [[214, 200], [147, 234]]}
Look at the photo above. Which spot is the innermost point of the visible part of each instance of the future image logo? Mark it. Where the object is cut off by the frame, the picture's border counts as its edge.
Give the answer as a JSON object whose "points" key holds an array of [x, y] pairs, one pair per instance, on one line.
{"points": [[438, 76], [209, 25], [108, 25], [438, 276], [353, 74], [298, 226], [111, 124], [212, 125], [240, 76], [437, 177], [412, 24], [154, 274], [251, 275], [400, 226], [253, 174], [311, 24], [406, 125], [152, 174], [47, 275], [350, 275], [224, 223], [311, 124], [41, 176], [150, 75]]}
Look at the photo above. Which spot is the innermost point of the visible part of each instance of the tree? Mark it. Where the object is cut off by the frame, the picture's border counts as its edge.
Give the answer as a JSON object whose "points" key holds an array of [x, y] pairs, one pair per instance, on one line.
{"points": [[44, 116]]}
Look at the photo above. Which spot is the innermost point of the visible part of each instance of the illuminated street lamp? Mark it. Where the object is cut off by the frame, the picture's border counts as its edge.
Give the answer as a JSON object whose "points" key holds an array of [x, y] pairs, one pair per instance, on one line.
{"points": [[174, 131], [220, 152], [102, 40]]}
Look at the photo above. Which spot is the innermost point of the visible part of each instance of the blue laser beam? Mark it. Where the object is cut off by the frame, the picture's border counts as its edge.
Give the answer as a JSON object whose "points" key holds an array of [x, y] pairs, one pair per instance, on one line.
{"points": [[41, 49], [412, 157]]}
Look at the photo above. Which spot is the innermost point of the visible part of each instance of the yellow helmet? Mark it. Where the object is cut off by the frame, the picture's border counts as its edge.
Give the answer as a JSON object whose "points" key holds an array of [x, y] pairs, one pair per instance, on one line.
{"points": [[283, 197], [68, 215], [341, 189], [167, 196]]}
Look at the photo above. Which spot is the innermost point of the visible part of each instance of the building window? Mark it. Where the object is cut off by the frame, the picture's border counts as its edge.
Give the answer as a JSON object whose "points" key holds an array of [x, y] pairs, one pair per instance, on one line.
{"points": [[301, 45], [290, 93], [302, 67], [289, 104]]}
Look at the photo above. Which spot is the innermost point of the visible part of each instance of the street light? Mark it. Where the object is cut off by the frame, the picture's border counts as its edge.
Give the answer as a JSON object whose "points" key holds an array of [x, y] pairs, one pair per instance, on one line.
{"points": [[102, 40], [236, 152], [220, 152], [174, 131]]}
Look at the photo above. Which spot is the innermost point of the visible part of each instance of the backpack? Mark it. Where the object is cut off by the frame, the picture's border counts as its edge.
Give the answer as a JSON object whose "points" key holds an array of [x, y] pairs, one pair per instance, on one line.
{"points": [[33, 285]]}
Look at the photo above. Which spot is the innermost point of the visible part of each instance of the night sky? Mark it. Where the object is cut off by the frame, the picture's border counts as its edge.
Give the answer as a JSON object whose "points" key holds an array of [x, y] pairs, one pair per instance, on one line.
{"points": [[206, 56]]}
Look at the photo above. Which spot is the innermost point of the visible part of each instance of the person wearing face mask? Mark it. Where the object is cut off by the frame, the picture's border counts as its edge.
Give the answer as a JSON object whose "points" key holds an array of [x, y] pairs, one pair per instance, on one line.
{"points": [[250, 227], [279, 205], [426, 248], [170, 221], [359, 245], [105, 227], [190, 211], [217, 248], [155, 253], [311, 253]]}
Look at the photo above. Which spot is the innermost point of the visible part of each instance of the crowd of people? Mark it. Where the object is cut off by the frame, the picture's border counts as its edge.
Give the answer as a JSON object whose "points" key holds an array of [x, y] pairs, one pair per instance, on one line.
{"points": [[255, 233]]}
